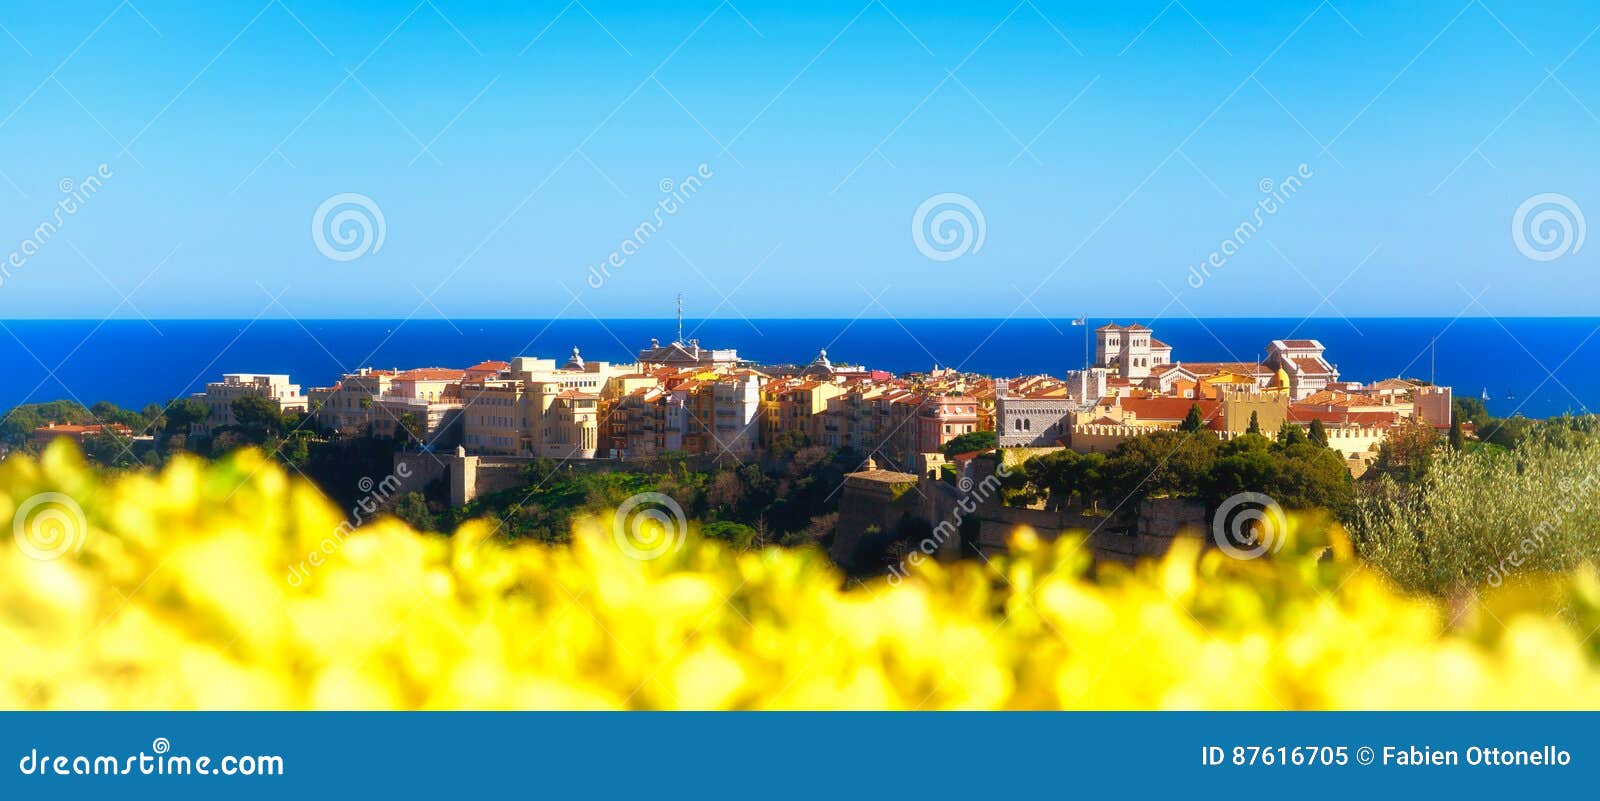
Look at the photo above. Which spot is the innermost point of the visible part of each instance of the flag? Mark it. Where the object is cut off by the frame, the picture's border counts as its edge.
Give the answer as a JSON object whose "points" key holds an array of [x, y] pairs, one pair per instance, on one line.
{"points": [[1081, 320]]}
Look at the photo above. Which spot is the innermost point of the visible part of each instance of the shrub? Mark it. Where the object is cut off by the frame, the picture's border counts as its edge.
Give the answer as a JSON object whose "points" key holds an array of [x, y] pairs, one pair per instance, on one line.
{"points": [[1478, 516]]}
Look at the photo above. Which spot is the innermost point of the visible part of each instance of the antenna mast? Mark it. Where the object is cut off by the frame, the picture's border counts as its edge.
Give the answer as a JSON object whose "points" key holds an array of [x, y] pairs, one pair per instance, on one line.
{"points": [[680, 318]]}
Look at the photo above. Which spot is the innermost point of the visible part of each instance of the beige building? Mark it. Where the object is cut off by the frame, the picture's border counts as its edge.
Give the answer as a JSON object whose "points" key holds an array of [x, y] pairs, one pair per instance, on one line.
{"points": [[346, 407], [494, 417], [542, 409], [220, 395]]}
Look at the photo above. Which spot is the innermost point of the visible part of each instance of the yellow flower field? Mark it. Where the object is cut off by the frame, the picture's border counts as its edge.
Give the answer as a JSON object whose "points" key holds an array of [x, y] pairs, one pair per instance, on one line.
{"points": [[196, 588]]}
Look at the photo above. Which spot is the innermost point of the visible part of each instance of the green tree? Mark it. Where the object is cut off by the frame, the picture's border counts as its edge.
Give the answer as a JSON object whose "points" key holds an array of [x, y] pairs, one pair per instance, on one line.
{"points": [[1407, 453], [19, 423], [1507, 432], [182, 414], [1194, 421], [110, 449], [1458, 439], [412, 508], [1159, 463], [257, 419], [969, 442], [408, 427], [1255, 424], [1291, 434], [1471, 410], [1318, 433]]}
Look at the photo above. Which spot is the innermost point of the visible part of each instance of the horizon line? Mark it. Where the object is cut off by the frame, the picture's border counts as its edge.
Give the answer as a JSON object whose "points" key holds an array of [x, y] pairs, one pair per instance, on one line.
{"points": [[1069, 318]]}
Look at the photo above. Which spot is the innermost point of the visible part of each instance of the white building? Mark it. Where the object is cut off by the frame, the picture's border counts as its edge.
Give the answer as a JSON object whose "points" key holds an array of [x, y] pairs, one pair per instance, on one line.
{"points": [[1302, 359], [1129, 350]]}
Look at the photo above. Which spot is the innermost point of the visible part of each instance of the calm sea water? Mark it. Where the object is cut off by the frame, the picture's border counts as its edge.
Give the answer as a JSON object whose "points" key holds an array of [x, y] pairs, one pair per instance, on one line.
{"points": [[1538, 366]]}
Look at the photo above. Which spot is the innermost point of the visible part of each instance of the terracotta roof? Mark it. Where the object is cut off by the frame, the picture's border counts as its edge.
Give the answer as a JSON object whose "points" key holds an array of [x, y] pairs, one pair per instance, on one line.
{"points": [[64, 428], [489, 365], [430, 374], [1165, 408], [1315, 366], [1392, 383], [1302, 414], [1156, 344], [1301, 343], [1212, 368]]}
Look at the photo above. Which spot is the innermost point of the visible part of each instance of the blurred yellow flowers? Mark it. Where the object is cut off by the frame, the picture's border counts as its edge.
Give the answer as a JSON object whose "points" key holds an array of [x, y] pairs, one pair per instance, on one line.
{"points": [[174, 591]]}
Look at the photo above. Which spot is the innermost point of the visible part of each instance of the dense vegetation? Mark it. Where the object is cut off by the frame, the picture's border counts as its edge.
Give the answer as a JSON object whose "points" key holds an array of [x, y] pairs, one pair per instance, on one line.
{"points": [[1296, 472], [790, 498], [159, 431], [1479, 515]]}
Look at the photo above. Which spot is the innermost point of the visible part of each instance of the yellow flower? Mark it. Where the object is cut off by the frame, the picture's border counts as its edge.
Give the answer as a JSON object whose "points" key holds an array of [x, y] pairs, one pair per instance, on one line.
{"points": [[231, 585]]}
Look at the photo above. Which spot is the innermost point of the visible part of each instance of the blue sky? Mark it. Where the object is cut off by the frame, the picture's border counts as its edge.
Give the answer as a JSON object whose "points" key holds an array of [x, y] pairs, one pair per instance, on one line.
{"points": [[1110, 147]]}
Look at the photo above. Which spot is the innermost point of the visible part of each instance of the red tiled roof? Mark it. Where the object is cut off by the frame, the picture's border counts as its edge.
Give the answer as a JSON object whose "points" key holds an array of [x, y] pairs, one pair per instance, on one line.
{"points": [[1165, 408], [1311, 365], [1301, 343], [430, 374], [1302, 414], [1212, 368], [64, 428], [1392, 383]]}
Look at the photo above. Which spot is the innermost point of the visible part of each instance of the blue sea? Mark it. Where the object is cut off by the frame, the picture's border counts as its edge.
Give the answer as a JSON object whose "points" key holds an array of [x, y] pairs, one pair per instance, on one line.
{"points": [[1535, 366]]}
